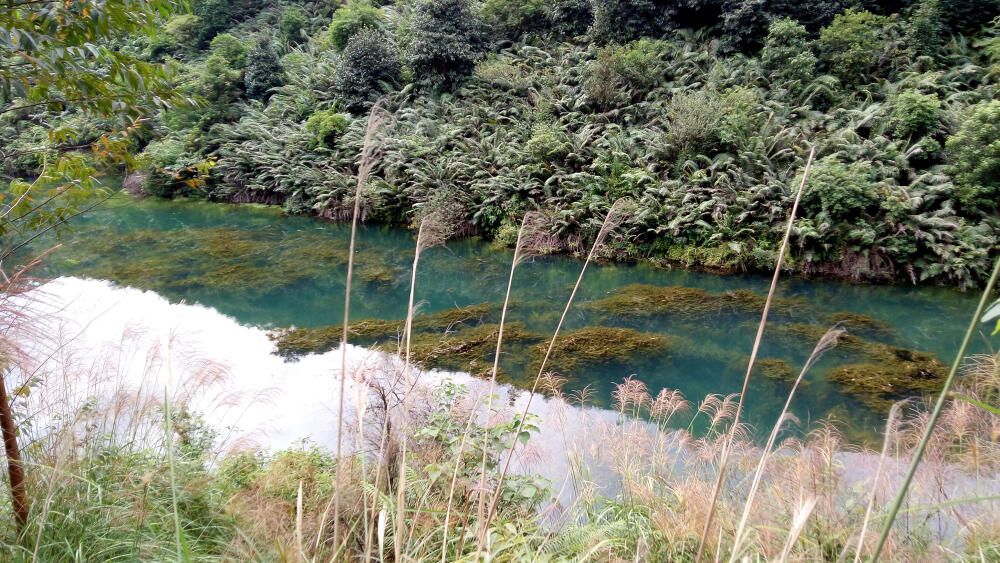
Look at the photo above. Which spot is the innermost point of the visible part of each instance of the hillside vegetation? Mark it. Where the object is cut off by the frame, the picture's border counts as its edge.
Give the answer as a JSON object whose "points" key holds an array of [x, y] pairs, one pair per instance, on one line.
{"points": [[700, 111]]}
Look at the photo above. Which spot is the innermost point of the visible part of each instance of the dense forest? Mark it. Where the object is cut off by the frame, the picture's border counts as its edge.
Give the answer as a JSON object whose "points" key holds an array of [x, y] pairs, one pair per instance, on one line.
{"points": [[701, 112]]}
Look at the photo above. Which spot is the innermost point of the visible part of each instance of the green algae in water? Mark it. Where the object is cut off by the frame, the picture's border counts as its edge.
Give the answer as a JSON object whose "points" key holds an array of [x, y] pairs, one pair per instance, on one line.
{"points": [[638, 300], [596, 345], [294, 342]]}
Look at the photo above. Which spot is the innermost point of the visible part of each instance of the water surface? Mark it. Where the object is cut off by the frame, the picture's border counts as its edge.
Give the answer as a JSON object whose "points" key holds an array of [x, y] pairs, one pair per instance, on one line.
{"points": [[267, 270]]}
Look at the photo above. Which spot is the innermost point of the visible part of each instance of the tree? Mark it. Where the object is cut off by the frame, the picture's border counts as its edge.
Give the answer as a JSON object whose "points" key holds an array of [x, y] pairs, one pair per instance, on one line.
{"points": [[369, 67], [570, 18], [293, 25], [786, 54], [263, 71], [351, 18], [55, 58], [516, 17], [974, 153], [448, 39], [621, 21], [853, 46]]}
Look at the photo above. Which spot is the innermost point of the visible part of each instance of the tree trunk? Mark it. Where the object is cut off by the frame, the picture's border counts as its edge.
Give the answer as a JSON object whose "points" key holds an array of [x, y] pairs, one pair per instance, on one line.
{"points": [[15, 467]]}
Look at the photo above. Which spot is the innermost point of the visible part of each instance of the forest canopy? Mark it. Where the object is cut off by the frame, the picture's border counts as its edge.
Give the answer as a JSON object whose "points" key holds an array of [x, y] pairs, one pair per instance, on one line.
{"points": [[701, 111]]}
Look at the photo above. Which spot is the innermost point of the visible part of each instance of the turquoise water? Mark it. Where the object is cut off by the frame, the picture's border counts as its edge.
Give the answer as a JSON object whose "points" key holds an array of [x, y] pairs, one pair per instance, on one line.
{"points": [[268, 270]]}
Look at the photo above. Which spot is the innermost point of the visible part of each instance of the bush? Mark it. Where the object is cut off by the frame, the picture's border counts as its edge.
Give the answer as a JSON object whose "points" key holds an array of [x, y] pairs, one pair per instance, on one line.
{"points": [[352, 18], [840, 190], [326, 126], [263, 71], [293, 25], [786, 54], [853, 46], [569, 18], [448, 39], [231, 49], [974, 153], [548, 143], [368, 68], [915, 114], [621, 21]]}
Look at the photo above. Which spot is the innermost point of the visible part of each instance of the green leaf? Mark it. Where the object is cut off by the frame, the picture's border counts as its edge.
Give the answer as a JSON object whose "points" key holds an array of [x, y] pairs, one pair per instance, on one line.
{"points": [[523, 437], [528, 491], [992, 312]]}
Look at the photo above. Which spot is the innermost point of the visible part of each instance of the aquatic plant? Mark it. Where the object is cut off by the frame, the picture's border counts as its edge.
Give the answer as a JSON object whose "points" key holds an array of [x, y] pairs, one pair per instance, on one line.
{"points": [[597, 344], [639, 300]]}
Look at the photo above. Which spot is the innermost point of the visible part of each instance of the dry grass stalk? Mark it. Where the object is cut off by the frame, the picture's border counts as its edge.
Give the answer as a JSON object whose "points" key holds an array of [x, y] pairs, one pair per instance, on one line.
{"points": [[614, 218], [891, 428], [376, 118], [753, 354], [828, 341], [434, 231]]}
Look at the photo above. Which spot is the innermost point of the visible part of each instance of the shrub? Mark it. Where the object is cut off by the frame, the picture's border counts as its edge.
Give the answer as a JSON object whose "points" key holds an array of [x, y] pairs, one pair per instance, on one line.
{"points": [[842, 191], [624, 20], [602, 82], [974, 153], [925, 31], [515, 17], [368, 68], [231, 49], [569, 18], [263, 71], [548, 143], [352, 18], [915, 114], [216, 16], [326, 126], [448, 39], [853, 45], [183, 28], [293, 25], [639, 64], [786, 54]]}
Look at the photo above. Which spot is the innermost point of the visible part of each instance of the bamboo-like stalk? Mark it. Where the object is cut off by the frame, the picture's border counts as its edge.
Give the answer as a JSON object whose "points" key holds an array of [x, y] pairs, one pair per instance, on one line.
{"points": [[938, 407], [829, 340], [375, 121], [753, 358], [610, 222]]}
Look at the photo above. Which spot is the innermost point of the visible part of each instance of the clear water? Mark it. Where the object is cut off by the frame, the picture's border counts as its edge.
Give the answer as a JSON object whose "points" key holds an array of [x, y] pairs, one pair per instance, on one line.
{"points": [[285, 271]]}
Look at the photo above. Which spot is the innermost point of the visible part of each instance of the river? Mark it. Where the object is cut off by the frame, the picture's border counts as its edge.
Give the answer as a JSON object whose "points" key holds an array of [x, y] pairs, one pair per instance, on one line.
{"points": [[266, 271]]}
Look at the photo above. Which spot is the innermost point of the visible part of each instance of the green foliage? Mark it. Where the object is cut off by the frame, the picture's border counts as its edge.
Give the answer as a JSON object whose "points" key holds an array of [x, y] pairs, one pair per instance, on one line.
{"points": [[854, 46], [231, 49], [926, 30], [570, 18], [786, 54], [61, 63], [351, 18], [263, 71], [548, 144], [448, 39], [974, 152], [625, 20], [293, 25], [327, 126], [515, 17], [841, 191], [915, 114], [369, 68]]}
